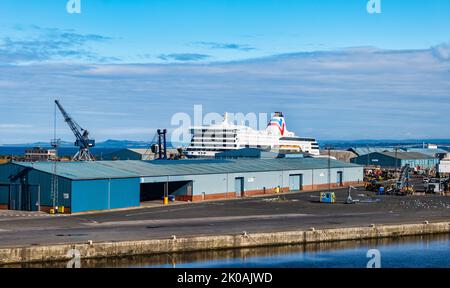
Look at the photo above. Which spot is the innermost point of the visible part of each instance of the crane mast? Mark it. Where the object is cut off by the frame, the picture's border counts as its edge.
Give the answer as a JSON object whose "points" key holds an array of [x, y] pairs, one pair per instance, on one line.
{"points": [[81, 135]]}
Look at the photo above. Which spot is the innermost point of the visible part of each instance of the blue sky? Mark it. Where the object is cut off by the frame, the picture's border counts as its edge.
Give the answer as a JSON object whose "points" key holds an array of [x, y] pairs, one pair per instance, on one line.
{"points": [[337, 71]]}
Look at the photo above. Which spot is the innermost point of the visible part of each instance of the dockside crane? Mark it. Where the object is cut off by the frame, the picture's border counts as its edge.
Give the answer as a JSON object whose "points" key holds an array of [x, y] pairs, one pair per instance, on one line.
{"points": [[81, 135]]}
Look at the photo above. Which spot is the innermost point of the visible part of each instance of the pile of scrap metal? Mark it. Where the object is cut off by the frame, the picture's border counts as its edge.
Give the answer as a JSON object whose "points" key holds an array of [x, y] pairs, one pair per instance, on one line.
{"points": [[378, 174], [403, 185], [373, 185], [378, 180], [387, 187], [372, 179]]}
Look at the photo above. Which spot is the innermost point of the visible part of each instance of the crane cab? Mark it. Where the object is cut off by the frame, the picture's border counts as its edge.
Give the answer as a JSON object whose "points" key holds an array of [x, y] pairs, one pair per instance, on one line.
{"points": [[91, 143]]}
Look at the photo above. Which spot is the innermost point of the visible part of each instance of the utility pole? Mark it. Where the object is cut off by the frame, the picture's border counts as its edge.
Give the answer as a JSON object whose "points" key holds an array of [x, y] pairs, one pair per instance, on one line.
{"points": [[55, 192], [396, 160], [54, 187], [166, 193], [329, 168], [368, 156]]}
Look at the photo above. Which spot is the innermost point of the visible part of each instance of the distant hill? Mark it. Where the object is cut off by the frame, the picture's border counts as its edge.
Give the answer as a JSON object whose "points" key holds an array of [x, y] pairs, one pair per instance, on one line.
{"points": [[336, 144], [38, 144], [123, 144], [105, 144], [383, 143]]}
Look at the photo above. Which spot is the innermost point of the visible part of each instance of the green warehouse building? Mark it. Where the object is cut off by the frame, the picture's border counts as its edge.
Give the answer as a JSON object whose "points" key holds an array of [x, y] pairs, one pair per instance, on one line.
{"points": [[415, 160]]}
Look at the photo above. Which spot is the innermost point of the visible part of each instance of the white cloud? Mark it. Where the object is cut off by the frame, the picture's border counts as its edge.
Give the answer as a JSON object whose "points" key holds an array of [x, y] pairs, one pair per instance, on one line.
{"points": [[47, 44], [350, 93], [101, 113], [14, 126], [443, 51], [126, 131], [8, 84]]}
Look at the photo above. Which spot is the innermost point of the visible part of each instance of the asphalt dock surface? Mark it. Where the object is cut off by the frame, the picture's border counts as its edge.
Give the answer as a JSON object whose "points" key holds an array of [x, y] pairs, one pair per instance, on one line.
{"points": [[275, 213]]}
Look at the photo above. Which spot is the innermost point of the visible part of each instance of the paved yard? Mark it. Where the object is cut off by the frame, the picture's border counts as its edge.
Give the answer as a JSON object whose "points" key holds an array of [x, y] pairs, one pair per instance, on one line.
{"points": [[259, 214]]}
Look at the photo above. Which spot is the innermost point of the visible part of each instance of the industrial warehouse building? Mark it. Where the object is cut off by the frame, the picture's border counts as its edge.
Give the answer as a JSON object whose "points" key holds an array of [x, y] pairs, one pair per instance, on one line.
{"points": [[397, 159], [436, 152], [102, 185]]}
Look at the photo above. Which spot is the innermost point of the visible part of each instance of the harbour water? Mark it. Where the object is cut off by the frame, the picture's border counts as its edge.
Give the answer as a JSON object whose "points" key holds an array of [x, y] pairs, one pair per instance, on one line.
{"points": [[409, 252]]}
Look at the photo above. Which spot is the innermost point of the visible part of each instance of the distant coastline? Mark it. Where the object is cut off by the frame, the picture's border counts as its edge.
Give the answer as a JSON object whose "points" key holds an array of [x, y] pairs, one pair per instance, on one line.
{"points": [[105, 144], [109, 146], [63, 151], [337, 144]]}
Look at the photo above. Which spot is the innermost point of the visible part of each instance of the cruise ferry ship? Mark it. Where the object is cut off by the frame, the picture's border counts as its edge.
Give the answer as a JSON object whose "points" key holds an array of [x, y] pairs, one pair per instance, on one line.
{"points": [[209, 140]]}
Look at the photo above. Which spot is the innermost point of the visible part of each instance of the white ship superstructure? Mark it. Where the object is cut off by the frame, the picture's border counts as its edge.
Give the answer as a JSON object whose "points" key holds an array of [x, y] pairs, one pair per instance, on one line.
{"points": [[209, 140]]}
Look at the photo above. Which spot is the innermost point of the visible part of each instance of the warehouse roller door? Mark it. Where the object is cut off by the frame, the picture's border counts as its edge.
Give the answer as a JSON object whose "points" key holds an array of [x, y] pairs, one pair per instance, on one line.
{"points": [[155, 191]]}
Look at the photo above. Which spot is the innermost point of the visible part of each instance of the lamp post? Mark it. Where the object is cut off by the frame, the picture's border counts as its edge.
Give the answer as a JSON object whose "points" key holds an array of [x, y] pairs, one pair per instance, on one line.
{"points": [[329, 167], [396, 161]]}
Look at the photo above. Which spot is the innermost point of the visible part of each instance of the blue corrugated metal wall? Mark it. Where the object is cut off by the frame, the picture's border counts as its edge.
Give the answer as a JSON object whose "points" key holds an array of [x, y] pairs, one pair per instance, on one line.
{"points": [[91, 195], [376, 160], [125, 193], [35, 179], [4, 192]]}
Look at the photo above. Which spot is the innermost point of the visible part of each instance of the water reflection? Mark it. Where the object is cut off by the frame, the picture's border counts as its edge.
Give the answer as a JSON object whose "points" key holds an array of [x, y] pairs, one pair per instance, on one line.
{"points": [[420, 251]]}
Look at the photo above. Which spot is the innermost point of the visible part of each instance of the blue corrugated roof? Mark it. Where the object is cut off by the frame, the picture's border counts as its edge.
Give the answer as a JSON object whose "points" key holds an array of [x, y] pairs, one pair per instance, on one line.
{"points": [[360, 151], [407, 155], [427, 151], [133, 169]]}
